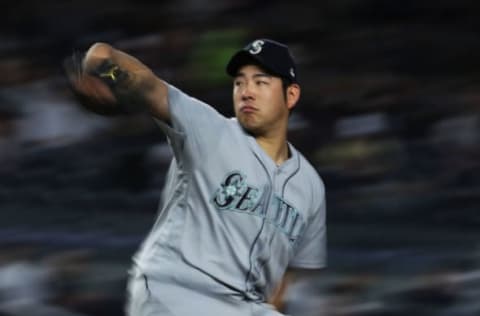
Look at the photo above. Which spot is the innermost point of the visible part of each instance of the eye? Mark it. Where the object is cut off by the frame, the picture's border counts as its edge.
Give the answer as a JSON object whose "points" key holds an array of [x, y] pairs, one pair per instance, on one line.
{"points": [[262, 82]]}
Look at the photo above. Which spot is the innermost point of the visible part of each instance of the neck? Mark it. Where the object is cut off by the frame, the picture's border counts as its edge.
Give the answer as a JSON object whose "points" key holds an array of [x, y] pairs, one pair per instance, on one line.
{"points": [[275, 147]]}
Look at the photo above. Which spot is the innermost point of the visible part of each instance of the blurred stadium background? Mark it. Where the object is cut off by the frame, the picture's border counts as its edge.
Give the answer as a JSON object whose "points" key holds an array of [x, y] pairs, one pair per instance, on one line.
{"points": [[389, 116]]}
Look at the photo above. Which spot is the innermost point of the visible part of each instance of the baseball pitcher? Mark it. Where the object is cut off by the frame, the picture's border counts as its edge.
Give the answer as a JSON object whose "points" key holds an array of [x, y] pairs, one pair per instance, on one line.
{"points": [[240, 204]]}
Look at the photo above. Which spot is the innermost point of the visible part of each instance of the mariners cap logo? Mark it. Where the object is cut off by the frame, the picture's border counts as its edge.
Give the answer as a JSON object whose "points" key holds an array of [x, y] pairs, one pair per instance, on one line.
{"points": [[256, 47]]}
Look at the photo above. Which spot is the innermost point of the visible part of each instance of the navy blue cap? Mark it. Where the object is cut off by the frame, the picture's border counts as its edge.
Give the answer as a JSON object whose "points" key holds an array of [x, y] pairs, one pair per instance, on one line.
{"points": [[273, 56]]}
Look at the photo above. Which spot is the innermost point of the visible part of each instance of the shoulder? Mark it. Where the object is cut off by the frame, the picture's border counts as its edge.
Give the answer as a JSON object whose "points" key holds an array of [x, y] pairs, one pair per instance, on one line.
{"points": [[312, 182], [236, 128], [177, 96], [192, 111], [310, 173]]}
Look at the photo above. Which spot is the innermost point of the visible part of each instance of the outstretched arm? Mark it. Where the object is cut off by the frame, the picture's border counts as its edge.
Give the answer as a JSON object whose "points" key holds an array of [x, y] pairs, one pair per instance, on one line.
{"points": [[109, 81]]}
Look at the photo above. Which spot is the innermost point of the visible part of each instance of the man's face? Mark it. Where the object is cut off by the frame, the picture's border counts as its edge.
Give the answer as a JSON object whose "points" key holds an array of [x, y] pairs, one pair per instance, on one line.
{"points": [[259, 101]]}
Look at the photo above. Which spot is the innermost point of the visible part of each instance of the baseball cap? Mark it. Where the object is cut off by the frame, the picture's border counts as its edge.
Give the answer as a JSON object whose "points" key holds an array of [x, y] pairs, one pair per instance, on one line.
{"points": [[275, 57]]}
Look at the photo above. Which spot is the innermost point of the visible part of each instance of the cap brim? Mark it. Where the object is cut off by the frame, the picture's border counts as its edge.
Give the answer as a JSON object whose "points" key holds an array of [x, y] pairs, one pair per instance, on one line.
{"points": [[240, 59]]}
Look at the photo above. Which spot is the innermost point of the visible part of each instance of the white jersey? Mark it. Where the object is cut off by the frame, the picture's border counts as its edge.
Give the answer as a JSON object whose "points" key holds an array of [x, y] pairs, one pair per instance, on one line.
{"points": [[231, 220]]}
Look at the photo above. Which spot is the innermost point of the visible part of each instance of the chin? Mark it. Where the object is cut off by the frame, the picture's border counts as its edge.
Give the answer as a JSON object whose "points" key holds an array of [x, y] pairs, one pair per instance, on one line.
{"points": [[250, 129]]}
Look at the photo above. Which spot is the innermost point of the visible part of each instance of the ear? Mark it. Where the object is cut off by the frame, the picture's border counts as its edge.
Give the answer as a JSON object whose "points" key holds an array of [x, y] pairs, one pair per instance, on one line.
{"points": [[293, 95]]}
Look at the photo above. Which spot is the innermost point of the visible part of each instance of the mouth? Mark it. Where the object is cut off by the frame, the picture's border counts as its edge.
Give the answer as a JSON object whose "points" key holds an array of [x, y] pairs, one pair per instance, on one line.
{"points": [[248, 109]]}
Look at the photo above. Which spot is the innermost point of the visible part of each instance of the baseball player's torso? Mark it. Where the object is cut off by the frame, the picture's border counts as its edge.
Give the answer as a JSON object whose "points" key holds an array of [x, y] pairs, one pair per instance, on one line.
{"points": [[230, 219]]}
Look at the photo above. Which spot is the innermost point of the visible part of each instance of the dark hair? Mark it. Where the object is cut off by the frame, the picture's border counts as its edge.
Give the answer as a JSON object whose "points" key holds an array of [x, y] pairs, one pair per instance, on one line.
{"points": [[285, 84]]}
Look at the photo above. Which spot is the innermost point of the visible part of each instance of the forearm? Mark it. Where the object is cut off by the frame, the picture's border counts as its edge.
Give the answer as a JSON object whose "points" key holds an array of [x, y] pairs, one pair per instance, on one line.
{"points": [[291, 276], [278, 297], [116, 80]]}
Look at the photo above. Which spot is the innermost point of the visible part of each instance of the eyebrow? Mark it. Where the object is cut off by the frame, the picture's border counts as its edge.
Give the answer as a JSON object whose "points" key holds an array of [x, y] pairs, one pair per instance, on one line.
{"points": [[257, 75]]}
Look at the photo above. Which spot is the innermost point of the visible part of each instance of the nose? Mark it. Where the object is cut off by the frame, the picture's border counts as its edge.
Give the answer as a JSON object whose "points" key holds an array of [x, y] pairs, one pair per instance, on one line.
{"points": [[247, 92]]}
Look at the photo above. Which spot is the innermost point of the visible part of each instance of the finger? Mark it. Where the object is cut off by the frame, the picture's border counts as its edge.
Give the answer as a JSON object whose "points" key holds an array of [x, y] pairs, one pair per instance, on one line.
{"points": [[95, 88]]}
